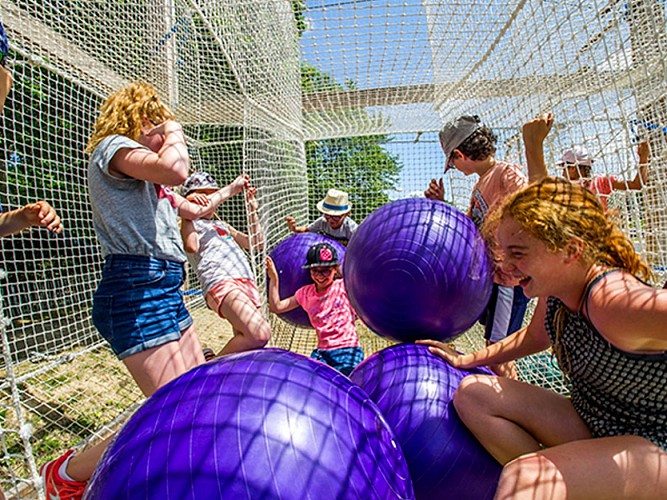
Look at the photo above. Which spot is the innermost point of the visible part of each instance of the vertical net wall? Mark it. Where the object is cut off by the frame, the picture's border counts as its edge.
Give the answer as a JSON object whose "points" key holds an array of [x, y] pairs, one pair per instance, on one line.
{"points": [[302, 95]]}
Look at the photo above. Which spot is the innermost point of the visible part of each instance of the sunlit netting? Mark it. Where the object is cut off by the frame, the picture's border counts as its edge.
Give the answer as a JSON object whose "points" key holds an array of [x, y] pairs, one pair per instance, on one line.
{"points": [[303, 96]]}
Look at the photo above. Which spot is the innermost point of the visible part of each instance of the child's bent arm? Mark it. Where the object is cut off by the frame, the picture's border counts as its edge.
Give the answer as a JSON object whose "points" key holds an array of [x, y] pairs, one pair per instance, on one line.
{"points": [[189, 210], [190, 236], [276, 305], [256, 239], [239, 237], [534, 133], [641, 176], [169, 166]]}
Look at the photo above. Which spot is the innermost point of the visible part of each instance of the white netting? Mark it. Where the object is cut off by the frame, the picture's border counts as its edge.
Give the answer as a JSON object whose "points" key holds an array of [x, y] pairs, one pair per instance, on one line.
{"points": [[303, 96]]}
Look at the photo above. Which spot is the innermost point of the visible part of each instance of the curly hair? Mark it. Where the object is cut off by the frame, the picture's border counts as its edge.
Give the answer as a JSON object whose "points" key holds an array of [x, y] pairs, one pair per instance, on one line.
{"points": [[556, 210], [123, 112], [480, 145]]}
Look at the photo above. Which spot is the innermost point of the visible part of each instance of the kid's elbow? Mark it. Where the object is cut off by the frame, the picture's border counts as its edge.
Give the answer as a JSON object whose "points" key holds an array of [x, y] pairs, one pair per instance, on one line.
{"points": [[191, 247], [175, 172], [179, 176], [174, 177]]}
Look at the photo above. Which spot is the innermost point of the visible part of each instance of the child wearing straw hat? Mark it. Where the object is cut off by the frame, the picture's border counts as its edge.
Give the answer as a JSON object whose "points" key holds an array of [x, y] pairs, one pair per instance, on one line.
{"points": [[335, 221]]}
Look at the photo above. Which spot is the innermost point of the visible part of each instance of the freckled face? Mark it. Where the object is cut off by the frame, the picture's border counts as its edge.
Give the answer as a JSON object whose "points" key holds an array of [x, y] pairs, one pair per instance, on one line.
{"points": [[527, 258]]}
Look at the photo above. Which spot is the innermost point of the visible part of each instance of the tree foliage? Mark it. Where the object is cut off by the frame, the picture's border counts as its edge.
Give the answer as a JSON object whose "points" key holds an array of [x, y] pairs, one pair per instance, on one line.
{"points": [[359, 165]]}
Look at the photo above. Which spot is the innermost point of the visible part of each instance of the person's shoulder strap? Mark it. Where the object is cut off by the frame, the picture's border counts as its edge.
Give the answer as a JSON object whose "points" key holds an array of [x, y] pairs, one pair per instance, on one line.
{"points": [[589, 287]]}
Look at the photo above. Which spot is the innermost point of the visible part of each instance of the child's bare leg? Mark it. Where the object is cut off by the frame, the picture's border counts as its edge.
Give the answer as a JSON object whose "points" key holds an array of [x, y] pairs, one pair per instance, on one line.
{"points": [[251, 330], [82, 465], [191, 349], [153, 368], [511, 418], [610, 468]]}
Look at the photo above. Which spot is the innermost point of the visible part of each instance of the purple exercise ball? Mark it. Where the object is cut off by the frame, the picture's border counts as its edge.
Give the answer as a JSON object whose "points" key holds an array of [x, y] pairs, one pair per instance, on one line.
{"points": [[266, 423], [418, 269], [413, 389], [289, 255]]}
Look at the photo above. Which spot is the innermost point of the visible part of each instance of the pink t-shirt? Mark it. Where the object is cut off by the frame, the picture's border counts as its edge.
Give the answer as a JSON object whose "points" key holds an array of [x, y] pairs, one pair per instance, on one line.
{"points": [[331, 315], [601, 186], [491, 189]]}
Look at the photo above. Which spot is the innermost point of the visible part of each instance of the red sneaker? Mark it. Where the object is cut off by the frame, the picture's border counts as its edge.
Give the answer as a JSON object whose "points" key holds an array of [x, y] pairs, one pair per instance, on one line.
{"points": [[55, 486]]}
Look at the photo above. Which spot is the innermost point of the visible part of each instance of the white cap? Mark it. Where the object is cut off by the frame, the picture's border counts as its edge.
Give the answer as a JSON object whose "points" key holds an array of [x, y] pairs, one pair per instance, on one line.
{"points": [[578, 155]]}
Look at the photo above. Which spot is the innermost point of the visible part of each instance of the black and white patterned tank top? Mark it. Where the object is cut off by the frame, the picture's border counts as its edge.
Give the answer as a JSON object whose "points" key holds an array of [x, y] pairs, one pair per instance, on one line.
{"points": [[615, 392]]}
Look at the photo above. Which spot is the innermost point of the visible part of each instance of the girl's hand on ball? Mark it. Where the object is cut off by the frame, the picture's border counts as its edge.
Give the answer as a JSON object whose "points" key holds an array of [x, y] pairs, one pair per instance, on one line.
{"points": [[443, 351]]}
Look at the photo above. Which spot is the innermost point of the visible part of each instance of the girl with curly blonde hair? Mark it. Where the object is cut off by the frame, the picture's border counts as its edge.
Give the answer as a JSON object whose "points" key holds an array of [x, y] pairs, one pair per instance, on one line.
{"points": [[138, 152], [608, 439]]}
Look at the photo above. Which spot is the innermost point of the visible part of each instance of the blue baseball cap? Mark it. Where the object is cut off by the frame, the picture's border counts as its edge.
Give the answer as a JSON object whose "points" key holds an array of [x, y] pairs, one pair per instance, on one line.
{"points": [[4, 44]]}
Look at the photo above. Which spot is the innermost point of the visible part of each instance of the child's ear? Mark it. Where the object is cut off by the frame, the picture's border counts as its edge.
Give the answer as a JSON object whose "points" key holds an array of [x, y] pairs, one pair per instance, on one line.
{"points": [[574, 249]]}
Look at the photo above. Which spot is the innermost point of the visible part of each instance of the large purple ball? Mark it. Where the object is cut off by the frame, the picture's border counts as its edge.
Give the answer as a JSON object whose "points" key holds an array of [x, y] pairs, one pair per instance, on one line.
{"points": [[418, 269], [262, 424], [413, 389], [289, 255]]}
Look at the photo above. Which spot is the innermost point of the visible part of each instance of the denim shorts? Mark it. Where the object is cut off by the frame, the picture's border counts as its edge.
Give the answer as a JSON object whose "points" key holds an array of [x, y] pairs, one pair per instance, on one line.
{"points": [[344, 359], [139, 303]]}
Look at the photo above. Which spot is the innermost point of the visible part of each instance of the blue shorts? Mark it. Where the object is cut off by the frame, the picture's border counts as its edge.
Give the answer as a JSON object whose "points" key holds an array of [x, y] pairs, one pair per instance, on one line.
{"points": [[504, 313], [344, 359], [139, 303]]}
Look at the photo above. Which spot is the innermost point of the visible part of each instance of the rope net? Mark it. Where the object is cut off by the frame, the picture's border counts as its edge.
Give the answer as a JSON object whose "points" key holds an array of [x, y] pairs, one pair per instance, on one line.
{"points": [[303, 96]]}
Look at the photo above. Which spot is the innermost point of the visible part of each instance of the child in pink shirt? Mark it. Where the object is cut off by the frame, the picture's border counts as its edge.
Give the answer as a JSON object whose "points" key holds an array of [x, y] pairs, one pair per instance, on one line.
{"points": [[328, 308]]}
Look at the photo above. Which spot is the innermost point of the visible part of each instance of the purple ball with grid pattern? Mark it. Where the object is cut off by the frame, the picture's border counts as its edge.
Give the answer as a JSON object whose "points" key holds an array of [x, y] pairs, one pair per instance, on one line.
{"points": [[413, 389], [418, 269], [266, 423]]}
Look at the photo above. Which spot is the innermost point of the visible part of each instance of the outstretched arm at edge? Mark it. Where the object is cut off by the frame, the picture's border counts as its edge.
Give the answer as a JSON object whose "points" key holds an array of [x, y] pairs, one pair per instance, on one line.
{"points": [[38, 214]]}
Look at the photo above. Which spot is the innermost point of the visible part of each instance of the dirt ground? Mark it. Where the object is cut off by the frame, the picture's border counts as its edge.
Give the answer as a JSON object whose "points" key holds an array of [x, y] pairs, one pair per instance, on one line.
{"points": [[214, 332]]}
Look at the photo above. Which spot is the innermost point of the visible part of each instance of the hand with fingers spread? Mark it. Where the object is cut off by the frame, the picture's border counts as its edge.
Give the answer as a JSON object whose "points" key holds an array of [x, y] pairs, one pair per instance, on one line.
{"points": [[446, 352]]}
